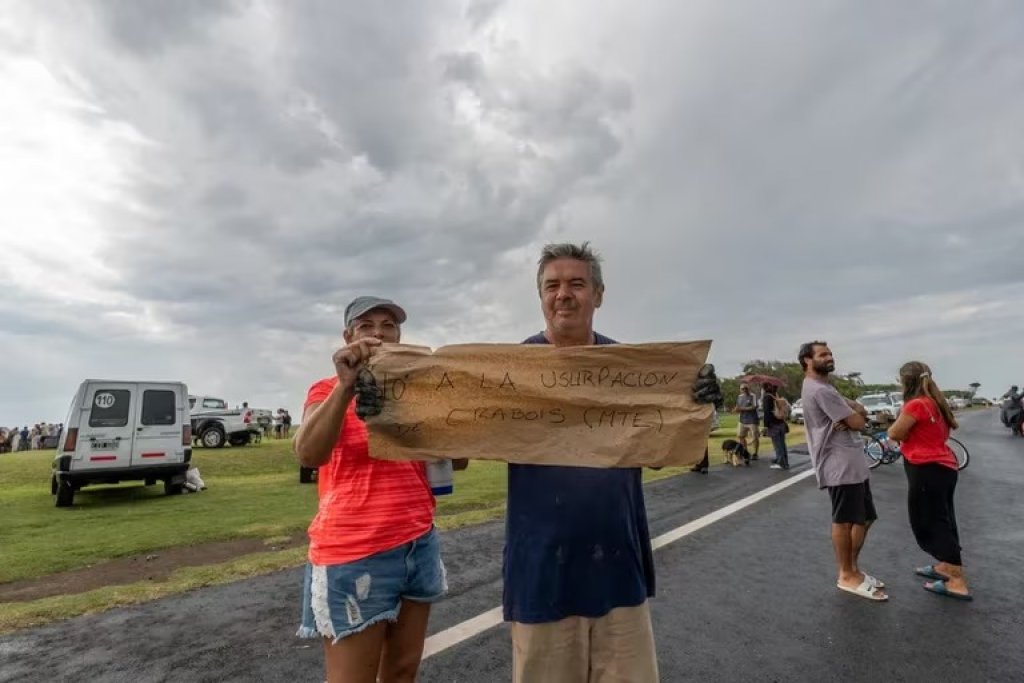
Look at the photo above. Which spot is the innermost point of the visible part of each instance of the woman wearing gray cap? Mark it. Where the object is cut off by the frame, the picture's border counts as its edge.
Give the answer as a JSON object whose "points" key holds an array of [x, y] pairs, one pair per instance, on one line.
{"points": [[374, 557]]}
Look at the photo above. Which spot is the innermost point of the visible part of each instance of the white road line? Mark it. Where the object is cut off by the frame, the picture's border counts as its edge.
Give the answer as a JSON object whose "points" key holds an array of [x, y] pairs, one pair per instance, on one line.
{"points": [[450, 637], [712, 517]]}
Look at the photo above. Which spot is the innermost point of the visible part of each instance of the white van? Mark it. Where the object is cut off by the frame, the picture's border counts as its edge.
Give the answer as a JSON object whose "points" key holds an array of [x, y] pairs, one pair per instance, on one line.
{"points": [[121, 431]]}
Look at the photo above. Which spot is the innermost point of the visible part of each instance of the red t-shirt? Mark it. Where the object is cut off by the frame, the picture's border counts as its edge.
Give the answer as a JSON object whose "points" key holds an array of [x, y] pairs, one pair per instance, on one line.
{"points": [[926, 442], [366, 506]]}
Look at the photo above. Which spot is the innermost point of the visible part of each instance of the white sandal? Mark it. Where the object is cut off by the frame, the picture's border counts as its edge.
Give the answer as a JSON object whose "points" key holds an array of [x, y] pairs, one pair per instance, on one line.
{"points": [[865, 590]]}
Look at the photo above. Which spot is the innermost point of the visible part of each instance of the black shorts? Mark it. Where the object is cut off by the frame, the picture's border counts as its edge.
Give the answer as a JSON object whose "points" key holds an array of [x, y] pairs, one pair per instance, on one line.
{"points": [[852, 504]]}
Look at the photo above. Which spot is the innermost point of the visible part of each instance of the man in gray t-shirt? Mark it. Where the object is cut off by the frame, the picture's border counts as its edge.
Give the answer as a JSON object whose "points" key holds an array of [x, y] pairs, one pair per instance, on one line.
{"points": [[837, 454]]}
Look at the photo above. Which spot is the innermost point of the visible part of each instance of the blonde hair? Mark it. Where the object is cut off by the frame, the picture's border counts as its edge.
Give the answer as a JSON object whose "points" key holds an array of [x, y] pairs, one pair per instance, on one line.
{"points": [[917, 381]]}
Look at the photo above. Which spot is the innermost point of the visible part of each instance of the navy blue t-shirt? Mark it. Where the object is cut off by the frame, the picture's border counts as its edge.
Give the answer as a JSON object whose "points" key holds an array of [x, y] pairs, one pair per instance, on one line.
{"points": [[576, 540]]}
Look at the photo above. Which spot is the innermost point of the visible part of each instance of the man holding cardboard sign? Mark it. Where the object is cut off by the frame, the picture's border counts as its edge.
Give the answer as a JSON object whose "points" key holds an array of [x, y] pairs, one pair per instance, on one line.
{"points": [[576, 415], [578, 561]]}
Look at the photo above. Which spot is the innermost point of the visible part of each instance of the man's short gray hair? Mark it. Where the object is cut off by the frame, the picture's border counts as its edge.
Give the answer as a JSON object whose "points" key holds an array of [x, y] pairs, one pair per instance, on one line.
{"points": [[579, 252]]}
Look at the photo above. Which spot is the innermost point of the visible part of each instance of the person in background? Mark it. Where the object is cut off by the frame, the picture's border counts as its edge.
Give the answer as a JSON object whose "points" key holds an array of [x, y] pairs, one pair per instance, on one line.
{"points": [[702, 466], [746, 406], [932, 471], [773, 407], [286, 425], [837, 455]]}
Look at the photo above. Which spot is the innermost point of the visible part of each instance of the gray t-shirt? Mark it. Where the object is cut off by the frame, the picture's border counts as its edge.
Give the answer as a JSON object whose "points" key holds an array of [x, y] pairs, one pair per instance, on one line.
{"points": [[837, 457], [747, 417]]}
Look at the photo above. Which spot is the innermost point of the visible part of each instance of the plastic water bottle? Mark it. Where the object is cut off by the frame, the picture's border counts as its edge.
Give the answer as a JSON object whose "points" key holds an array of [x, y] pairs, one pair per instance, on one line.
{"points": [[441, 477]]}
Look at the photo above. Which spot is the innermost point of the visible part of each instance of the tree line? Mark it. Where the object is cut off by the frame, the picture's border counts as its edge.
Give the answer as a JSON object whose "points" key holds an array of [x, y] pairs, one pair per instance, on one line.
{"points": [[792, 374]]}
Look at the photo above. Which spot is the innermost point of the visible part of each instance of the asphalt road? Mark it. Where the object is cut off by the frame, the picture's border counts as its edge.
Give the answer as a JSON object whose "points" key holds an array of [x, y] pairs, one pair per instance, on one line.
{"points": [[750, 597]]}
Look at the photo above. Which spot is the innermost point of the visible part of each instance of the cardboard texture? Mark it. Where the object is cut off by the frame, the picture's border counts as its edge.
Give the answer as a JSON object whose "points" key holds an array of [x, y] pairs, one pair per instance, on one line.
{"points": [[622, 405]]}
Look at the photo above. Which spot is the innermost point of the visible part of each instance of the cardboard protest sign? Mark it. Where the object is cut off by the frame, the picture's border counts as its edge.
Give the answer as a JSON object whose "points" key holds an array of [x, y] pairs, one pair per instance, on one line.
{"points": [[622, 405]]}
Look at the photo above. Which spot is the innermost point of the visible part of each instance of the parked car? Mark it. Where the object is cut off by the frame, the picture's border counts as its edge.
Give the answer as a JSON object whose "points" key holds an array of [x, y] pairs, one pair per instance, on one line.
{"points": [[122, 431], [214, 424], [958, 403], [796, 413], [980, 401], [878, 405]]}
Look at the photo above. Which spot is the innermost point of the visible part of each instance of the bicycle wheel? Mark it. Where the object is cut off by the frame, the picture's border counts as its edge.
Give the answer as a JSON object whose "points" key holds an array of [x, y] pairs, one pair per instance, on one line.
{"points": [[892, 453], [874, 451], [963, 456]]}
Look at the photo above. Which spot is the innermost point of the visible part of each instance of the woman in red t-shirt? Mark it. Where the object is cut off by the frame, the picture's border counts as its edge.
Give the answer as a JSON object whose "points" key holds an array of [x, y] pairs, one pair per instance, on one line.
{"points": [[923, 428]]}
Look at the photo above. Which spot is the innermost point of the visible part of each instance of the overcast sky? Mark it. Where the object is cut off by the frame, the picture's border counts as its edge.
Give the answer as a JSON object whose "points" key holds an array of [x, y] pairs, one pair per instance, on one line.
{"points": [[194, 190]]}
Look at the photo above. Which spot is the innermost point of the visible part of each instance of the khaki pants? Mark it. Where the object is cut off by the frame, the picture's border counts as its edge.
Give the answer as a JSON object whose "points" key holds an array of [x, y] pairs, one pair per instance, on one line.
{"points": [[615, 648], [751, 434]]}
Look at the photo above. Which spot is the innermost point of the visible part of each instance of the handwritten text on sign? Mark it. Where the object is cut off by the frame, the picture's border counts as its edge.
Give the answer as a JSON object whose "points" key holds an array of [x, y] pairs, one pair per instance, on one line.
{"points": [[623, 405]]}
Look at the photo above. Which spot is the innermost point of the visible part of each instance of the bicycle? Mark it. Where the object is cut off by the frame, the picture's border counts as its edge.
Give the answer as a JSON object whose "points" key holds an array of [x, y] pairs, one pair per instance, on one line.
{"points": [[880, 450]]}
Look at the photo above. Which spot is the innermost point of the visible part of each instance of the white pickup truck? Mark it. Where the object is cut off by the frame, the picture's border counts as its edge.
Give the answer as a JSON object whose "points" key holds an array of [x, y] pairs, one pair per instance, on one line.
{"points": [[214, 424], [879, 404]]}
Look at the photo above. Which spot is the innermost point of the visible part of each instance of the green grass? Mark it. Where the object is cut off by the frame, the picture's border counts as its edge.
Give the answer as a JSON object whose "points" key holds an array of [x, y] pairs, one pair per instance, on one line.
{"points": [[253, 492], [19, 615]]}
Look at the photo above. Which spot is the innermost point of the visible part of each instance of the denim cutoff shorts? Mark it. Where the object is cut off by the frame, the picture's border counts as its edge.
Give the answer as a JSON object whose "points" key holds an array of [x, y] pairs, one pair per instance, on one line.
{"points": [[340, 600]]}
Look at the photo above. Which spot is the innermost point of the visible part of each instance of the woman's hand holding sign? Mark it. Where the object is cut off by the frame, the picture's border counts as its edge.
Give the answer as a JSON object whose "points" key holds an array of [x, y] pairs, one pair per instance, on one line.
{"points": [[351, 359]]}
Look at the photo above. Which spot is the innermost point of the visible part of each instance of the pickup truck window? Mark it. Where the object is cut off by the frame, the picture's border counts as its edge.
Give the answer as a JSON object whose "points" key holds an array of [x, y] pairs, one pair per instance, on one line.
{"points": [[214, 403]]}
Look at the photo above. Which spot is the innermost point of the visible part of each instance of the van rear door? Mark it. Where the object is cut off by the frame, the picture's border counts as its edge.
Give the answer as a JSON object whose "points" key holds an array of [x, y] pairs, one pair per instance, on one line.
{"points": [[161, 411], [106, 426]]}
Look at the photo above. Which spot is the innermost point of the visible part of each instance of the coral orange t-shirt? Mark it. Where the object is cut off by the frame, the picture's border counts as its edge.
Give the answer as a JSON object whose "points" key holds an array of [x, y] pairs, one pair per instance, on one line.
{"points": [[366, 505], [926, 442]]}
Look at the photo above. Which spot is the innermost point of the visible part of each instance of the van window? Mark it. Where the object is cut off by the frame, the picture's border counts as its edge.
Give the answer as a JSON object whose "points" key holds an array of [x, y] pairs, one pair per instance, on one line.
{"points": [[158, 407], [110, 408]]}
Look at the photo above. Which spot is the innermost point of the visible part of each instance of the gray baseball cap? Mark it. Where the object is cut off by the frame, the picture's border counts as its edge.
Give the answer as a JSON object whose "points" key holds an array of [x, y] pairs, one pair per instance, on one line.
{"points": [[364, 304]]}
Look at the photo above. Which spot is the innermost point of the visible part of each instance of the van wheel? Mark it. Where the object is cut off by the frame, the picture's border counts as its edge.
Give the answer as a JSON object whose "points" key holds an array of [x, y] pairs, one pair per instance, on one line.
{"points": [[150, 482], [213, 437], [307, 475], [53, 485], [173, 487], [65, 494]]}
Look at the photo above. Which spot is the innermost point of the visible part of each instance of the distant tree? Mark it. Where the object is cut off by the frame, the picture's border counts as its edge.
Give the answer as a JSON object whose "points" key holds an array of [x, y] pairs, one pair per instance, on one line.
{"points": [[793, 375], [730, 391]]}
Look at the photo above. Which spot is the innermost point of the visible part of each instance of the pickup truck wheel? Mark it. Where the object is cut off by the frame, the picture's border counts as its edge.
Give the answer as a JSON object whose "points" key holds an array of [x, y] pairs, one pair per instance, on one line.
{"points": [[213, 437], [65, 494], [53, 484], [307, 475]]}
